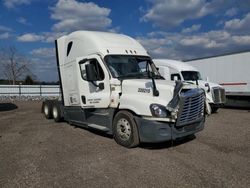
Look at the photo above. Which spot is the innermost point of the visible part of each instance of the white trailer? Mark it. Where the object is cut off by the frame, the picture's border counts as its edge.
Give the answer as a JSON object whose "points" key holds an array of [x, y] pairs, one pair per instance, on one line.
{"points": [[176, 70], [109, 82], [232, 71]]}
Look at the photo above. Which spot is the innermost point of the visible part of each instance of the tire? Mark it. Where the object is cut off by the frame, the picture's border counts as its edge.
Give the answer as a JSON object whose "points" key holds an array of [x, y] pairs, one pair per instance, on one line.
{"points": [[56, 113], [125, 130], [214, 109], [47, 109]]}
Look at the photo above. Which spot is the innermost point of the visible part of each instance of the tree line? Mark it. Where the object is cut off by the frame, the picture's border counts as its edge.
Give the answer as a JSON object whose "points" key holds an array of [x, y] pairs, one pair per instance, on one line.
{"points": [[15, 68]]}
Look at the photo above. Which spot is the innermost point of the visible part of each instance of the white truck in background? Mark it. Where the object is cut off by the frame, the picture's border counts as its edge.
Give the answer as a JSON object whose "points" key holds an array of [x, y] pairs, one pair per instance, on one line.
{"points": [[109, 82], [176, 70], [232, 71]]}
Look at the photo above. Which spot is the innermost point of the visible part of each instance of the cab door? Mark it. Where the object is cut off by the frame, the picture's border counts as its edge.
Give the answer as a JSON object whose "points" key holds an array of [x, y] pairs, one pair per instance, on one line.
{"points": [[94, 94]]}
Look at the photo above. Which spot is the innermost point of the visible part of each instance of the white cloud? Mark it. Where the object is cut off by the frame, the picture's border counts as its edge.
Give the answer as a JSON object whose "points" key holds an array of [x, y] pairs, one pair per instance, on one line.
{"points": [[200, 41], [73, 15], [46, 37], [242, 40], [45, 69], [5, 35], [43, 52], [168, 14], [216, 7], [239, 25], [160, 44], [171, 13], [4, 28], [52, 36], [5, 32], [193, 45], [217, 35], [192, 28], [220, 23], [14, 3], [231, 12], [30, 37], [23, 21], [44, 61], [194, 41]]}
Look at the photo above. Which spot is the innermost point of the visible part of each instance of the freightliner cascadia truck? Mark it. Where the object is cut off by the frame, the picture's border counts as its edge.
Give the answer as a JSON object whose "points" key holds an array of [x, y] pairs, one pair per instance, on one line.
{"points": [[109, 82], [230, 70], [176, 70]]}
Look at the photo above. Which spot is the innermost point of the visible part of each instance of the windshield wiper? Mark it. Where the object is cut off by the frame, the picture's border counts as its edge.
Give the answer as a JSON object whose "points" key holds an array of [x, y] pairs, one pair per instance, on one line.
{"points": [[131, 75], [160, 77]]}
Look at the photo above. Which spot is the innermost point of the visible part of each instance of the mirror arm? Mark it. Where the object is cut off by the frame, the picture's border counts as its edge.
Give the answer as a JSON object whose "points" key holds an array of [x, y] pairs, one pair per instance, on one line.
{"points": [[155, 91], [94, 84], [197, 83]]}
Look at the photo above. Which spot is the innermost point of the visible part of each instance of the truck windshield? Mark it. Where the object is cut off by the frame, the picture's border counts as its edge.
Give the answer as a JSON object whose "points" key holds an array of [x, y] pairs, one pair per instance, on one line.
{"points": [[191, 75], [127, 66]]}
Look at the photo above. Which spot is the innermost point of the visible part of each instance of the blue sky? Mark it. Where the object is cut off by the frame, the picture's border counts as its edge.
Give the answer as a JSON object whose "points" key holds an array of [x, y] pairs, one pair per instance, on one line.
{"points": [[174, 29]]}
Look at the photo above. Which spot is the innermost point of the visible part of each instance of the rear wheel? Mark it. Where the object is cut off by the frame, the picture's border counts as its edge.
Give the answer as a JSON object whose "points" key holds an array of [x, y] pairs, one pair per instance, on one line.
{"points": [[47, 109], [125, 130], [56, 113]]}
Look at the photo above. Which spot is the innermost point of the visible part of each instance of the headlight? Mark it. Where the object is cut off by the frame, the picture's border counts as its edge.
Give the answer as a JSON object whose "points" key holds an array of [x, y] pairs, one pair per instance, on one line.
{"points": [[158, 110]]}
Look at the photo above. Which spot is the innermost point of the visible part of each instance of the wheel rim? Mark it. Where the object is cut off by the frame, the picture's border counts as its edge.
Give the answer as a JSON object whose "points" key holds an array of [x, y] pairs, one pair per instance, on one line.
{"points": [[123, 129], [55, 112], [46, 110]]}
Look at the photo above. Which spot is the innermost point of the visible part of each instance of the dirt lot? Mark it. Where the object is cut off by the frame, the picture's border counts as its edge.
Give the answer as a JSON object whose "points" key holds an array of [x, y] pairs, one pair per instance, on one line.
{"points": [[35, 152]]}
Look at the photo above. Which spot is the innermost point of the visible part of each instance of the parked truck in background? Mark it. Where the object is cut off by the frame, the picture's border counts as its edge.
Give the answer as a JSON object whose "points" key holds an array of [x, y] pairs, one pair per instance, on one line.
{"points": [[177, 70], [109, 82], [231, 71]]}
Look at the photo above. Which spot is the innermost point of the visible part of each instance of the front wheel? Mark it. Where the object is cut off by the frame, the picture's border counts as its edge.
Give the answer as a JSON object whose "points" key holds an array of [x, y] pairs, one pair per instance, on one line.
{"points": [[125, 130]]}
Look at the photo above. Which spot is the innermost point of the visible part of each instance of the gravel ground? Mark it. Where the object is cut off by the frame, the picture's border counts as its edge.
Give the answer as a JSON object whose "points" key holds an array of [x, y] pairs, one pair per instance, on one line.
{"points": [[35, 152], [25, 98]]}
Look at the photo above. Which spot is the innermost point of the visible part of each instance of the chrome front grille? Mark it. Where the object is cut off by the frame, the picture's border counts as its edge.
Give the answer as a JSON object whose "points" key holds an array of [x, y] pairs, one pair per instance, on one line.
{"points": [[219, 95], [191, 107]]}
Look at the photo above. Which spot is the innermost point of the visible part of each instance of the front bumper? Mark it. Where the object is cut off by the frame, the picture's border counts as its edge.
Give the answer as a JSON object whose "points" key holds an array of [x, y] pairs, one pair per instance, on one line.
{"points": [[217, 105], [154, 131]]}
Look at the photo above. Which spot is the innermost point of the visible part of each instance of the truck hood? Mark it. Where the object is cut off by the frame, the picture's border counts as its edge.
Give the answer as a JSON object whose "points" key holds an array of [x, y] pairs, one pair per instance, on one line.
{"points": [[144, 88], [211, 84], [137, 94]]}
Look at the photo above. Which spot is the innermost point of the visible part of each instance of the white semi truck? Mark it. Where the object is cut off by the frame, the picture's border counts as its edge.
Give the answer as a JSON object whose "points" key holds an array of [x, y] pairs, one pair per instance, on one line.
{"points": [[109, 82], [176, 70], [231, 71]]}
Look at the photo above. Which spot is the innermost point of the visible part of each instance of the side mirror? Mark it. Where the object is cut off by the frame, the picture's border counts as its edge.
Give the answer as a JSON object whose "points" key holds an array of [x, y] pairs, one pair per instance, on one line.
{"points": [[90, 72], [208, 87]]}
